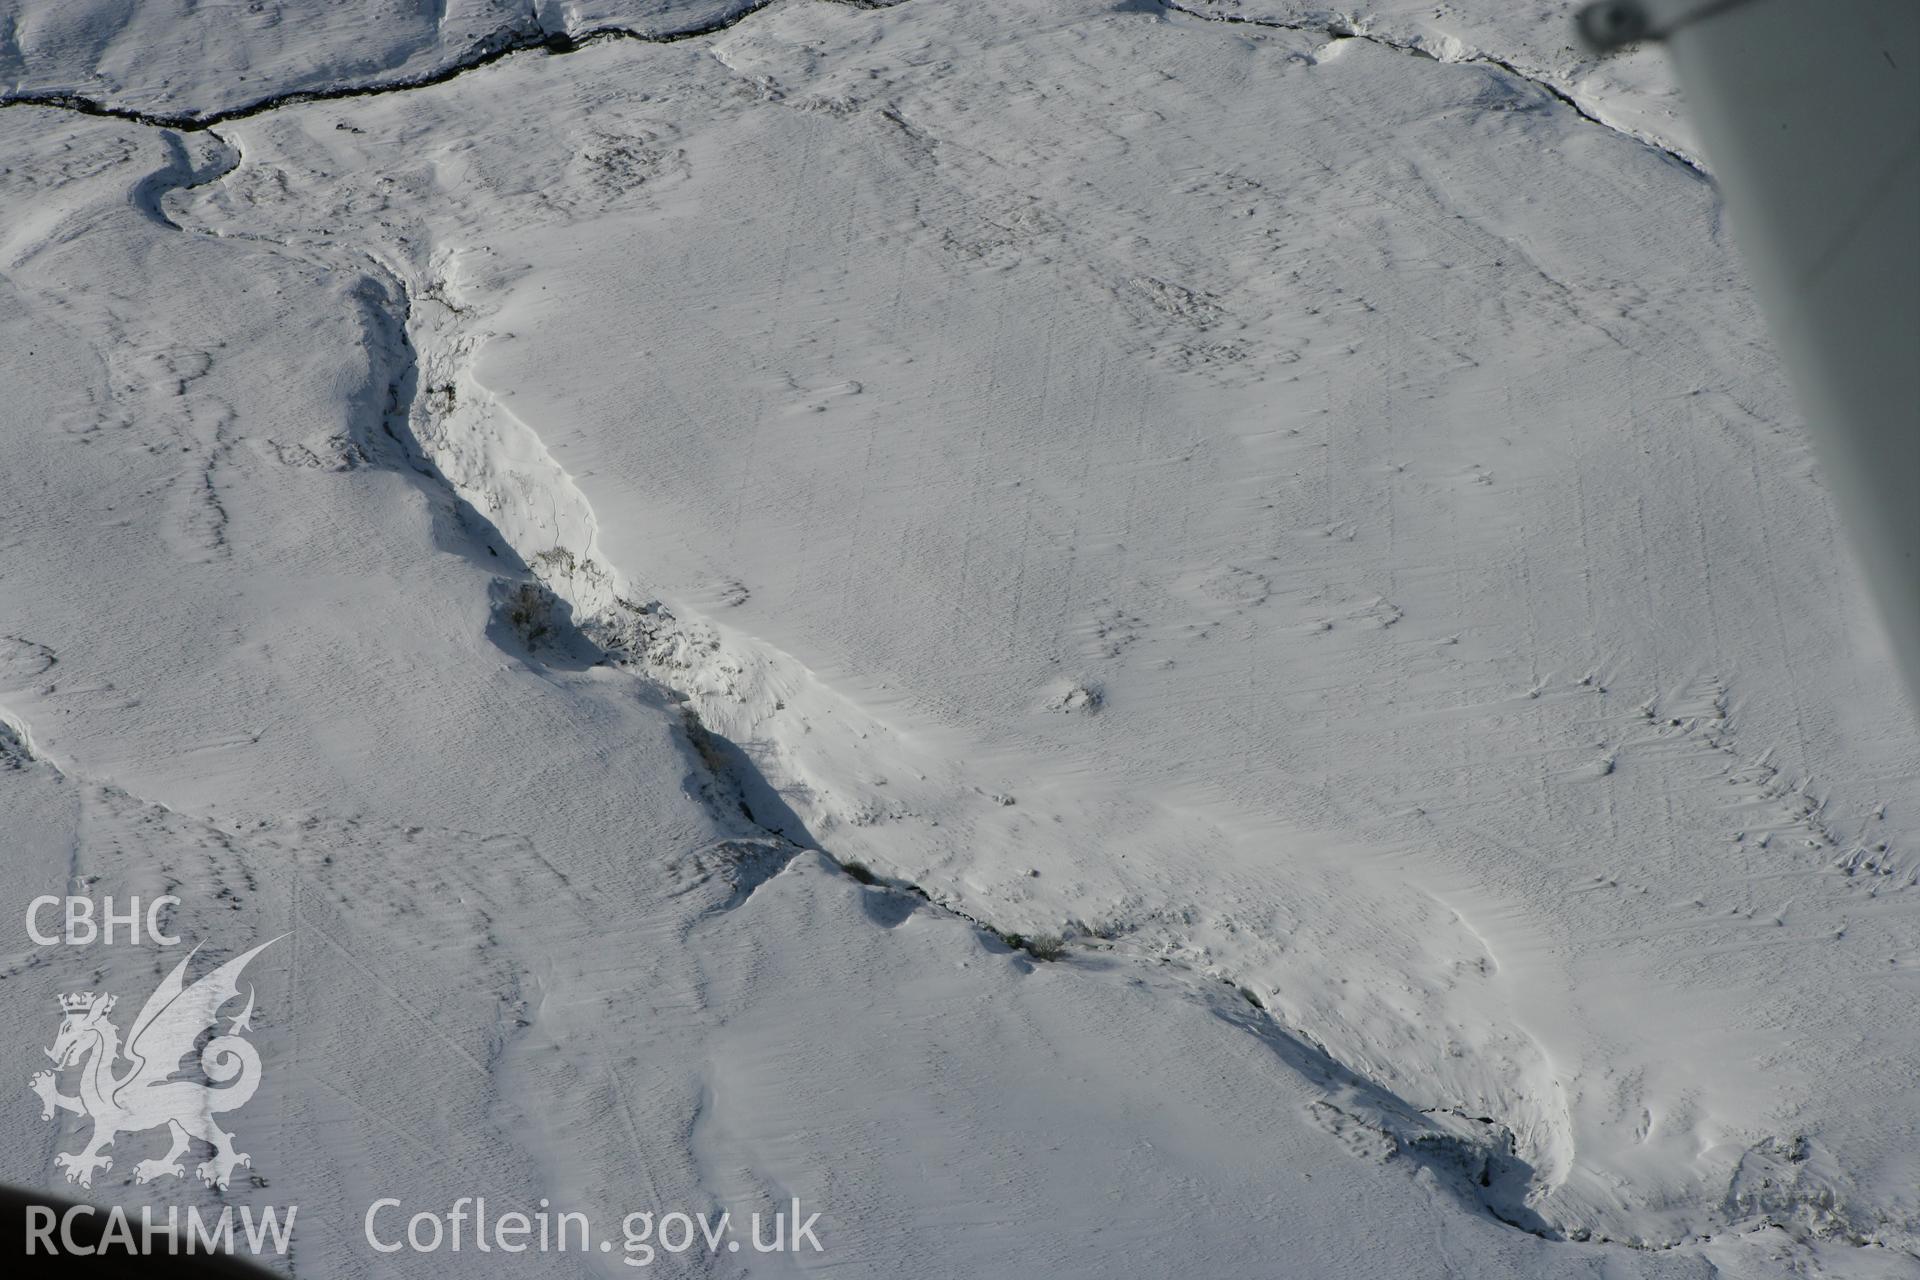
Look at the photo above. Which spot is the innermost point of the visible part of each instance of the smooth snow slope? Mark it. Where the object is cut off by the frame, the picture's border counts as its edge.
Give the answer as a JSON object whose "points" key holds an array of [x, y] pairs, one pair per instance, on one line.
{"points": [[1272, 509]]}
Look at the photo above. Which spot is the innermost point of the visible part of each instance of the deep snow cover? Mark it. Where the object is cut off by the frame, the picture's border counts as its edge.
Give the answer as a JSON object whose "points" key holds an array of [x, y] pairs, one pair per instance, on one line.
{"points": [[1097, 639]]}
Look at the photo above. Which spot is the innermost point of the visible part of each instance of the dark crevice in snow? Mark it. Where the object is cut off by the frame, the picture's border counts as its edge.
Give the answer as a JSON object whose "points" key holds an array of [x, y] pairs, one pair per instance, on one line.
{"points": [[524, 34], [501, 44], [1474, 1158], [1334, 29], [15, 751]]}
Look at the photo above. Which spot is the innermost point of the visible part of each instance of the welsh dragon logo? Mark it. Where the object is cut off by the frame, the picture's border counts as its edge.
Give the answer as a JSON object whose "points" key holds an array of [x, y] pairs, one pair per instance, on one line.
{"points": [[147, 1094]]}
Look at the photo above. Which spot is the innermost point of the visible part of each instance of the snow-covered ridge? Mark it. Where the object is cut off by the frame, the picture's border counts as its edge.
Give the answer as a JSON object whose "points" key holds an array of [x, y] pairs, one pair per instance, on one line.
{"points": [[800, 761], [812, 756], [1428, 992], [177, 65], [813, 766], [109, 57], [820, 751], [826, 773], [804, 745], [870, 790]]}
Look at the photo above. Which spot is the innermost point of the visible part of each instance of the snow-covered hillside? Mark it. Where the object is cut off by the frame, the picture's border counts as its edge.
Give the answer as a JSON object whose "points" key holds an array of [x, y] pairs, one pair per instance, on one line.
{"points": [[1096, 639]]}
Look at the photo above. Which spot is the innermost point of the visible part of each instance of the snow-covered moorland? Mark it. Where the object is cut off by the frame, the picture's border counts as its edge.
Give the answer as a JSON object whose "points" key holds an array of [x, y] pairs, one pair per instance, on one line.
{"points": [[1094, 639]]}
